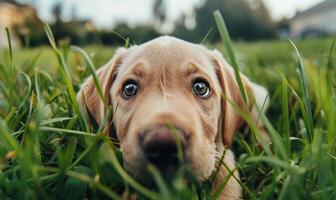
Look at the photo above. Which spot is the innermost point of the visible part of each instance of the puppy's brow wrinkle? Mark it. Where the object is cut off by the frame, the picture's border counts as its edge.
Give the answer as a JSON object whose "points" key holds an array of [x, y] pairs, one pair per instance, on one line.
{"points": [[139, 70], [190, 69]]}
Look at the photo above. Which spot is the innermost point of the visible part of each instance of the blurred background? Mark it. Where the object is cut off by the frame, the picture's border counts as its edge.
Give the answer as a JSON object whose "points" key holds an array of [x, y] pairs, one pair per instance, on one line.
{"points": [[39, 115], [111, 22]]}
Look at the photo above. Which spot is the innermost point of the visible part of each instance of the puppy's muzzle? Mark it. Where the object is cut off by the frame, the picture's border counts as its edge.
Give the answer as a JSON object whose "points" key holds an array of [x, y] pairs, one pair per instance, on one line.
{"points": [[160, 145]]}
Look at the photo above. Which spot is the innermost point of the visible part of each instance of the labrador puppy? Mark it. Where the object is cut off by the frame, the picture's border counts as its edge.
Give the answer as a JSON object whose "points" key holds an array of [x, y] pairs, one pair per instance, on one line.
{"points": [[169, 90]]}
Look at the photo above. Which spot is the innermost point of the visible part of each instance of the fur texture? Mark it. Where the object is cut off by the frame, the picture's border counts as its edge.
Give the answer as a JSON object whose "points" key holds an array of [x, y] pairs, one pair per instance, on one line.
{"points": [[164, 69]]}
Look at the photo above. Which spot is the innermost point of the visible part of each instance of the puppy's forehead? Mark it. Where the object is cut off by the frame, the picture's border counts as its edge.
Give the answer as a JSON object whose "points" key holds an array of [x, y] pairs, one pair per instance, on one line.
{"points": [[167, 51]]}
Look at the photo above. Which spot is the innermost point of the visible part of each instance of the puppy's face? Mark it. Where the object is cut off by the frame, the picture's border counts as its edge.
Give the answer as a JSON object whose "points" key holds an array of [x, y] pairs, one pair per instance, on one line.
{"points": [[167, 94], [163, 88]]}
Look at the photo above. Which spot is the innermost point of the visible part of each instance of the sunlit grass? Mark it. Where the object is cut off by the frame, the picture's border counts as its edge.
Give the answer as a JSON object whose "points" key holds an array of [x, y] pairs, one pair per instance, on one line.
{"points": [[48, 151]]}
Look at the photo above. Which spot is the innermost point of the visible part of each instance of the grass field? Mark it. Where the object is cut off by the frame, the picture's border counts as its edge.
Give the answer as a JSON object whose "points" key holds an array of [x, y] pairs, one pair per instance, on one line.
{"points": [[47, 151]]}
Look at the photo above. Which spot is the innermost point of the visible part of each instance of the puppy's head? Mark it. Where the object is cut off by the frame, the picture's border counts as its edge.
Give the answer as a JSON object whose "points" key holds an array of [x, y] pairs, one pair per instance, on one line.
{"points": [[168, 92]]}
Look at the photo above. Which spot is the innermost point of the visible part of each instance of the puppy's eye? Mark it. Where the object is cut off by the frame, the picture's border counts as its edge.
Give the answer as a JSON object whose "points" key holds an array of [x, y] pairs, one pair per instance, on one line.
{"points": [[130, 89], [201, 88]]}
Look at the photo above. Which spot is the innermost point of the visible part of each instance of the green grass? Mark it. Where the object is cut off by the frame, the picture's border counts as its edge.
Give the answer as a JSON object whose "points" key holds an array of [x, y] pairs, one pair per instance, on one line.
{"points": [[48, 152]]}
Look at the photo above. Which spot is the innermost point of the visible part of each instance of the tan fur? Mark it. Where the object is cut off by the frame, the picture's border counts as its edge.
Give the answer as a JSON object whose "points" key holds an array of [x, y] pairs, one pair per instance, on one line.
{"points": [[165, 68]]}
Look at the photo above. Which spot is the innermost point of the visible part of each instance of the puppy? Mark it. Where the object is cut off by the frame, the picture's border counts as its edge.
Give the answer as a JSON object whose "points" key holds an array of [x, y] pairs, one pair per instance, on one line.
{"points": [[165, 83]]}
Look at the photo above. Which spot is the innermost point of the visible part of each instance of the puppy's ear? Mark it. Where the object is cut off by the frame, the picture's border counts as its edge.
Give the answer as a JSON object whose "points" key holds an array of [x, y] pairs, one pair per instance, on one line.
{"points": [[89, 100], [231, 120]]}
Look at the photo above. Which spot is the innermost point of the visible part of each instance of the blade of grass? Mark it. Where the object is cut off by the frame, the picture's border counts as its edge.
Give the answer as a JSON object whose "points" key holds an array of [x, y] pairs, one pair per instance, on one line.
{"points": [[37, 87], [276, 139], [300, 102], [160, 182], [330, 64], [276, 162], [206, 35], [11, 78], [329, 99], [64, 70], [10, 50], [54, 120], [72, 132], [224, 33], [304, 85], [31, 65], [92, 70], [255, 130], [9, 139], [108, 148], [82, 155], [285, 115], [86, 179], [216, 194], [66, 76], [28, 93], [174, 133]]}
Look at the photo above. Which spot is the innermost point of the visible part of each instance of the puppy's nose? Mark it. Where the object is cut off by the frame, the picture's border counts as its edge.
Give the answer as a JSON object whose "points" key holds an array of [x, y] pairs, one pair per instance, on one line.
{"points": [[160, 145]]}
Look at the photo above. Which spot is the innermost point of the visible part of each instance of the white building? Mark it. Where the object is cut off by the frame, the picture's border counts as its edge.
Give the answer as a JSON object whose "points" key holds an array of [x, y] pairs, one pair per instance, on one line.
{"points": [[317, 20]]}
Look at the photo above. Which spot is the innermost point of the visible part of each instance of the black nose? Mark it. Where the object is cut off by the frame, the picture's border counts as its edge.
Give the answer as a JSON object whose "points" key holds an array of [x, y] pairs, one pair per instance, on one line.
{"points": [[160, 145]]}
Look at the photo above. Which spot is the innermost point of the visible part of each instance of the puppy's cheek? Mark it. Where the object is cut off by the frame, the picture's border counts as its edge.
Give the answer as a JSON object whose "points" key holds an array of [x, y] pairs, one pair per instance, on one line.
{"points": [[134, 160], [201, 151], [208, 120], [201, 157], [123, 121], [209, 126]]}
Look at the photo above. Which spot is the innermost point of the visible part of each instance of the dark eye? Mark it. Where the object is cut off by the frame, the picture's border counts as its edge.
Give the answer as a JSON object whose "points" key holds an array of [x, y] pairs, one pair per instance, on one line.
{"points": [[201, 88], [130, 89]]}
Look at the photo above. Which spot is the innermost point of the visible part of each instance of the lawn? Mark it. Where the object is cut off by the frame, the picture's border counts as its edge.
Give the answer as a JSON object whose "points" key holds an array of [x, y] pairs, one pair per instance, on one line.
{"points": [[48, 152]]}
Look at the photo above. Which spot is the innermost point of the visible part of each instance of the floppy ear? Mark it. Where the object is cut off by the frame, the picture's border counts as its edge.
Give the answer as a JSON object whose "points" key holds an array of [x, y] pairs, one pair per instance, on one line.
{"points": [[89, 100], [231, 120]]}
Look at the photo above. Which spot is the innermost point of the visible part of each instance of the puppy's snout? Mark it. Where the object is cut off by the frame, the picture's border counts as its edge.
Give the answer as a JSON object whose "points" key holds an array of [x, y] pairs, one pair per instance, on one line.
{"points": [[160, 145]]}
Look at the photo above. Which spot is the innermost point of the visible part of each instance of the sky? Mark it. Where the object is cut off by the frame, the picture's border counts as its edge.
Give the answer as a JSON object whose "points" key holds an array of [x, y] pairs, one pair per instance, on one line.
{"points": [[106, 13]]}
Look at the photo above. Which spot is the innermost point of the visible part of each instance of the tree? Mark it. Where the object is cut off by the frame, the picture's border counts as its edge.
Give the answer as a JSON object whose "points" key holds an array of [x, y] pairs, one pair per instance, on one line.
{"points": [[246, 20], [57, 12], [159, 13]]}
